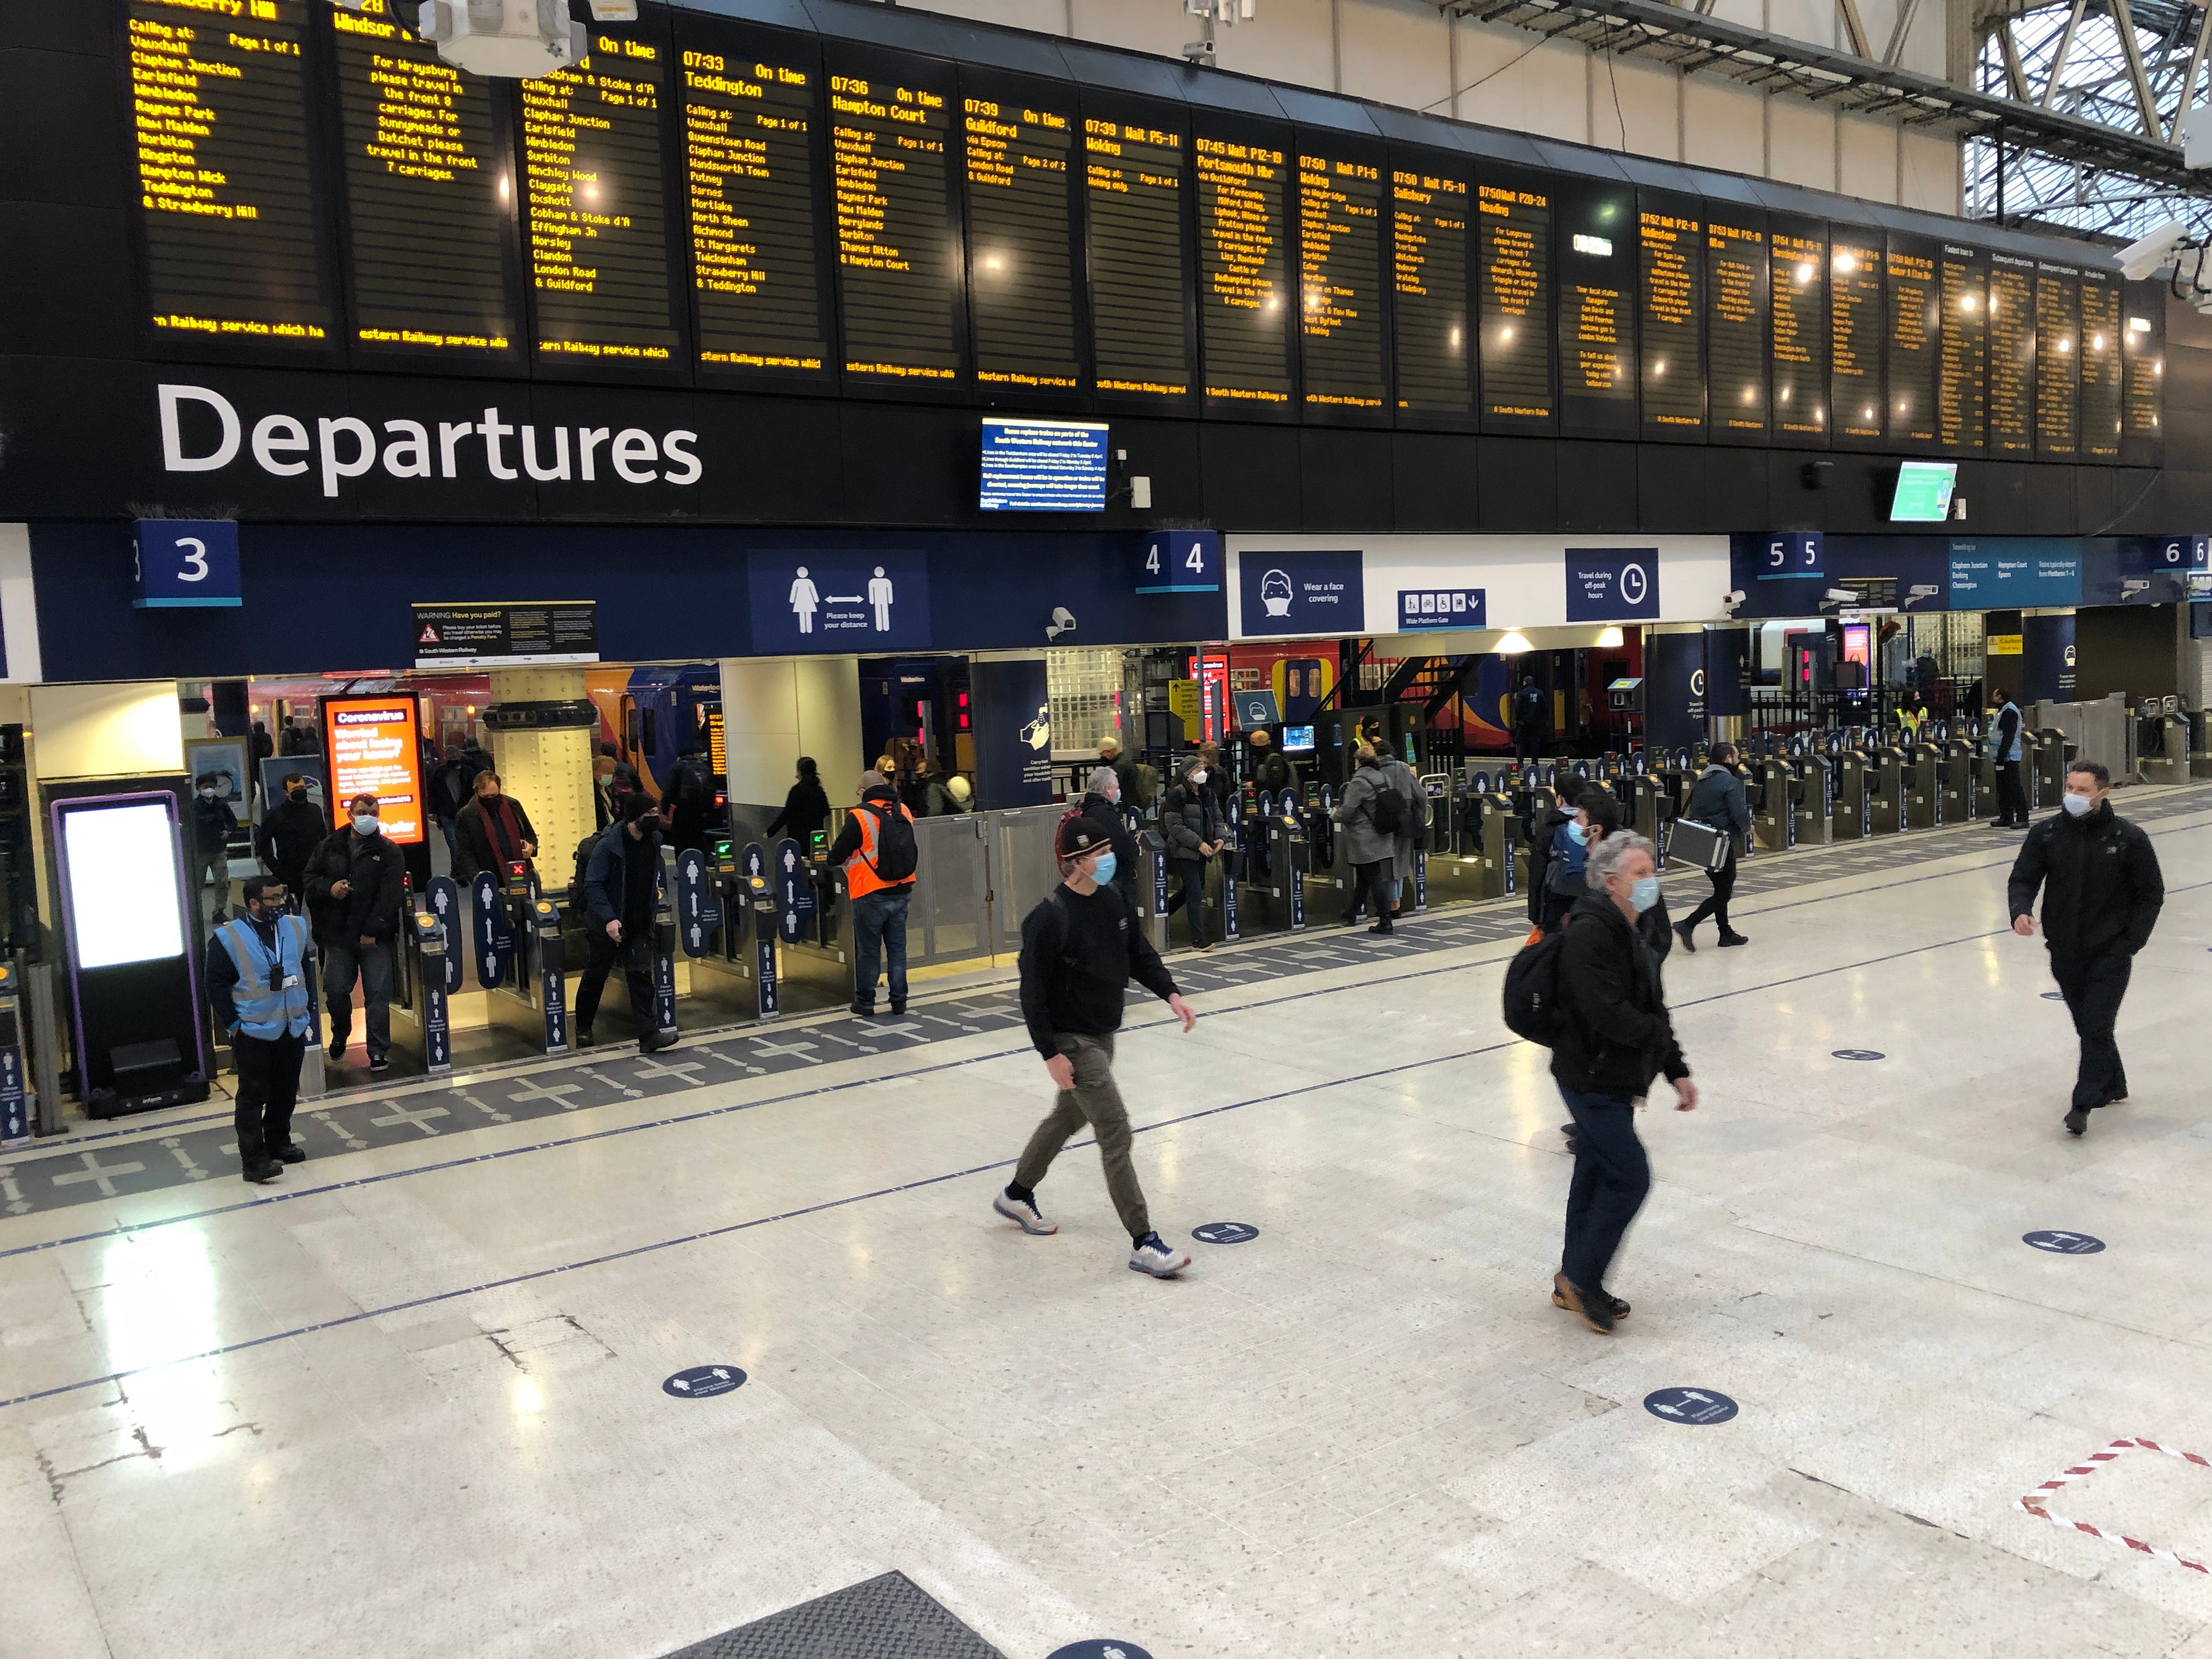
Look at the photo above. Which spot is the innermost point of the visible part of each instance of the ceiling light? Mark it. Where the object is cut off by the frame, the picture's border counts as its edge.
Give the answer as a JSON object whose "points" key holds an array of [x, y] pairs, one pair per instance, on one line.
{"points": [[1513, 644], [1611, 639]]}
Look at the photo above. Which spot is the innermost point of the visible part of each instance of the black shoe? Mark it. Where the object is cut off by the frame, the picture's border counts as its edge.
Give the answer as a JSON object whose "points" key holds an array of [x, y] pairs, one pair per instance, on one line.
{"points": [[1730, 940], [1596, 1307], [1383, 927], [1202, 944], [653, 1041], [865, 1010], [1682, 932], [262, 1173], [1620, 1309], [294, 1153], [379, 1065], [337, 1050], [2077, 1121], [1351, 918], [585, 1039], [898, 1008]]}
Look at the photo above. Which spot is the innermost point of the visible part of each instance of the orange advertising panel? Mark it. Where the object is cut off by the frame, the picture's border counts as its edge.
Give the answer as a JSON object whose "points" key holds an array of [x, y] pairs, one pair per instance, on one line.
{"points": [[373, 752]]}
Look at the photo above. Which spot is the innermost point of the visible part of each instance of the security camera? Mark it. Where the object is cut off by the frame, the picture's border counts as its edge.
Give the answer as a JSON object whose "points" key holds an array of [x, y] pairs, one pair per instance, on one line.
{"points": [[1730, 600], [2142, 259], [1918, 592], [1838, 596], [1063, 622]]}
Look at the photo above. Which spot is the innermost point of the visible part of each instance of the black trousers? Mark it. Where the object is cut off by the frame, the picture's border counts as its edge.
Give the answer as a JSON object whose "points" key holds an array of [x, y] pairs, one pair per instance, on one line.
{"points": [[1612, 1178], [268, 1089], [635, 954], [1189, 876], [1370, 886], [1528, 744], [2012, 800], [1723, 880], [2093, 986]]}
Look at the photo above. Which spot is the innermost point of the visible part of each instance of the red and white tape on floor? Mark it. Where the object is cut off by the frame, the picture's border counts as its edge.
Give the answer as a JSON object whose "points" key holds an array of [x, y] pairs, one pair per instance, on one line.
{"points": [[2036, 1503]]}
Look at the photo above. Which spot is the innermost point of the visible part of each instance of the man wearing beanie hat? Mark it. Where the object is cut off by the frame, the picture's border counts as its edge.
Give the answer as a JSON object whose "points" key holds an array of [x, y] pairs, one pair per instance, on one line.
{"points": [[1080, 948]]}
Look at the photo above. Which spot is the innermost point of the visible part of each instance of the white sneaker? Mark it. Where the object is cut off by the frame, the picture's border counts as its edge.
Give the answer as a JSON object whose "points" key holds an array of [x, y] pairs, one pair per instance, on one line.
{"points": [[1025, 1216], [1153, 1256]]}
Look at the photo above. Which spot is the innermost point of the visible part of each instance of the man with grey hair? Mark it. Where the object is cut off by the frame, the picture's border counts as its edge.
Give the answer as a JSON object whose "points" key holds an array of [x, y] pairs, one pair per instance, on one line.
{"points": [[1613, 1037], [1102, 805]]}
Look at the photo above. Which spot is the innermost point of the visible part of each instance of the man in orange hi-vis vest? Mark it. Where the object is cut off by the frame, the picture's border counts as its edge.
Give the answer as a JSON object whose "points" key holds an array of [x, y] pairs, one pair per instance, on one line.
{"points": [[876, 849]]}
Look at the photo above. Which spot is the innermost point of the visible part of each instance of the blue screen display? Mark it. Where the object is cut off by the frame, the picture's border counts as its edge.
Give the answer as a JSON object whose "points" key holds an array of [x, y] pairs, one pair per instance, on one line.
{"points": [[1298, 740], [1043, 466]]}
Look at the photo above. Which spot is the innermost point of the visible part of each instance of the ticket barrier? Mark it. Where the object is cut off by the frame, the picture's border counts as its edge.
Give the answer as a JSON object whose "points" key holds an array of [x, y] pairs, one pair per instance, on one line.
{"points": [[1326, 883], [2169, 762], [2200, 745], [1812, 787], [1962, 779], [1444, 872], [522, 962], [815, 966], [1773, 818], [1503, 847], [421, 1021], [1650, 808], [1924, 783], [725, 927], [1855, 781], [1887, 811], [2043, 766], [1282, 889], [1152, 886]]}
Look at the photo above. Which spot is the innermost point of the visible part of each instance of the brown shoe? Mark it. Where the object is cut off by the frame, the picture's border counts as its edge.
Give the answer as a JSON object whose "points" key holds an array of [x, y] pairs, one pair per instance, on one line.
{"points": [[1597, 1309], [1620, 1309]]}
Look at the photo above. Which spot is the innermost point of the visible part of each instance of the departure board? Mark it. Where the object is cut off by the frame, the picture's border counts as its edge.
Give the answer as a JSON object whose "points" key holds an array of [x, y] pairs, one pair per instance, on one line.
{"points": [[897, 255], [1736, 330], [595, 204], [1133, 178], [1595, 249], [1341, 284], [1962, 384], [1514, 244], [429, 196], [1798, 283], [1428, 281], [2142, 346], [752, 151], [2012, 355], [1245, 304], [1671, 245], [1855, 325], [226, 192], [1914, 336], [2100, 365], [2058, 372], [1021, 256]]}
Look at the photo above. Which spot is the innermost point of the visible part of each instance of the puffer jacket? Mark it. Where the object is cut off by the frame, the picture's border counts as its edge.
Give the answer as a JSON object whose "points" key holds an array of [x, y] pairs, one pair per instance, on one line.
{"points": [[1188, 819], [1615, 1034], [1359, 841]]}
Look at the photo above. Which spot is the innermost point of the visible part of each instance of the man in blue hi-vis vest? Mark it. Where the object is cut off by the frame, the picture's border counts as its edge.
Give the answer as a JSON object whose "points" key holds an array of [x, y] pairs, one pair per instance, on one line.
{"points": [[257, 976]]}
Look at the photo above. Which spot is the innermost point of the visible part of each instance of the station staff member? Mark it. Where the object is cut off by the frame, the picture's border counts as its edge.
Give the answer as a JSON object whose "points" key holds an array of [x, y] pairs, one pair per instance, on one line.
{"points": [[257, 976], [354, 896], [880, 887], [2004, 749]]}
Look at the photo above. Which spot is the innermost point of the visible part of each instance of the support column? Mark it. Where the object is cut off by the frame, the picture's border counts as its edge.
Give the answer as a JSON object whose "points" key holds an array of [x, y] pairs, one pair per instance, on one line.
{"points": [[547, 768], [776, 710]]}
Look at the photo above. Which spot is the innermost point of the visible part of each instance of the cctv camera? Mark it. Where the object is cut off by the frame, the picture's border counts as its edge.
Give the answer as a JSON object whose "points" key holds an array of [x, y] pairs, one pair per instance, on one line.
{"points": [[2142, 259], [1838, 596], [1735, 597]]}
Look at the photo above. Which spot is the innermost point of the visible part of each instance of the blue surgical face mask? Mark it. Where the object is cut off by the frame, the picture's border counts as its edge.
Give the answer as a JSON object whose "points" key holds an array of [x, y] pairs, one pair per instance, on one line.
{"points": [[1643, 893], [1578, 833], [1102, 872]]}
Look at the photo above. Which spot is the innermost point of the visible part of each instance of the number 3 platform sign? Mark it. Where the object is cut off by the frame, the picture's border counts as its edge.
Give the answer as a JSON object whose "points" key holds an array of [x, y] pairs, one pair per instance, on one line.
{"points": [[187, 563]]}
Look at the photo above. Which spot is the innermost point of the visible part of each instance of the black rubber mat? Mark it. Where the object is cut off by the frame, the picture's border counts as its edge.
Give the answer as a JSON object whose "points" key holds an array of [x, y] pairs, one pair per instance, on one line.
{"points": [[886, 1618]]}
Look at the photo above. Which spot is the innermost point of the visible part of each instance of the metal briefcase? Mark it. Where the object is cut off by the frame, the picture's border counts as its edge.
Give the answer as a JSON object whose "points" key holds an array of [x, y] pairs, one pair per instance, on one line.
{"points": [[1697, 845]]}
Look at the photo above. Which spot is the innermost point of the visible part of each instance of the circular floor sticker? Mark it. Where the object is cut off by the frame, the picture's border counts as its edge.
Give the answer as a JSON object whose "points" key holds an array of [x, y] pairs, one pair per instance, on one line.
{"points": [[703, 1382], [1699, 1406], [2060, 1243], [1859, 1053], [1225, 1232], [1101, 1649]]}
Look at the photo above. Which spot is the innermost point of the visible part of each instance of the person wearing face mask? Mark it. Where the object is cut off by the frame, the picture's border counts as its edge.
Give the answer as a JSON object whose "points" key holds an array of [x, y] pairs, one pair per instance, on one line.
{"points": [[492, 832], [1614, 1036], [1080, 948], [606, 805], [622, 889], [1563, 871], [1102, 805], [286, 838], [1370, 848], [257, 976], [212, 823], [1717, 800], [354, 895], [2102, 891], [1543, 836], [1191, 825], [805, 808]]}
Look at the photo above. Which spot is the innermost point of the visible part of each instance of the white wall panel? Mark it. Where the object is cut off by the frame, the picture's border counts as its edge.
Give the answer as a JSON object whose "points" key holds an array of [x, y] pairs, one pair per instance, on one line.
{"points": [[1042, 16], [1543, 91], [1395, 51], [1288, 41], [1803, 142], [1867, 147], [1815, 20], [1932, 171], [1723, 124], [1648, 110], [1155, 26]]}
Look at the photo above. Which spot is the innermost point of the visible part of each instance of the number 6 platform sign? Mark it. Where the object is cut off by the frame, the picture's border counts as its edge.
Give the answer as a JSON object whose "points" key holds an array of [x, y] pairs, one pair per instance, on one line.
{"points": [[186, 563]]}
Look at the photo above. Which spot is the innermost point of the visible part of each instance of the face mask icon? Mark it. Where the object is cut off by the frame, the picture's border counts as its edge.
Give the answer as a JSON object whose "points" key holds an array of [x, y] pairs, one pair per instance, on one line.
{"points": [[1275, 594]]}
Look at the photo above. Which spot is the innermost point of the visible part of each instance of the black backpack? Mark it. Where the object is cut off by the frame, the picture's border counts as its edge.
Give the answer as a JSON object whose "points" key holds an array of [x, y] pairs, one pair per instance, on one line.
{"points": [[583, 850], [896, 856], [1388, 811], [1533, 1010]]}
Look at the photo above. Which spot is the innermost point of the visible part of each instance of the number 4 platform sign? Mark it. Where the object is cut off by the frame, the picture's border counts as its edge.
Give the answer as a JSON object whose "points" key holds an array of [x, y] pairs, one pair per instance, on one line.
{"points": [[1181, 561], [186, 563]]}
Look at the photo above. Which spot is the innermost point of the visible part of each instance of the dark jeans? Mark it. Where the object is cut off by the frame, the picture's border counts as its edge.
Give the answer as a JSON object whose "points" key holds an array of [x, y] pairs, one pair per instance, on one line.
{"points": [[636, 955], [1723, 880], [1557, 903], [879, 932], [342, 960], [268, 1089], [1189, 875], [1370, 886], [2093, 987], [1528, 744], [1611, 1176], [2012, 800]]}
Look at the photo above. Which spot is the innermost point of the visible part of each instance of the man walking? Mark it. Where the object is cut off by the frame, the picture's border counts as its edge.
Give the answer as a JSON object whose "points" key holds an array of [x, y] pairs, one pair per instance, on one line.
{"points": [[287, 838], [1190, 824], [877, 852], [1080, 948], [1717, 800], [1613, 1037], [622, 892], [257, 976], [2004, 748], [2101, 896], [354, 892]]}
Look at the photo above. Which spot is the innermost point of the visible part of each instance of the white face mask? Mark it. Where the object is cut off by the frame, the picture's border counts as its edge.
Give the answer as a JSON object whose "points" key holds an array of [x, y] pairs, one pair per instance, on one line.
{"points": [[2079, 805], [1199, 776], [207, 795], [364, 824]]}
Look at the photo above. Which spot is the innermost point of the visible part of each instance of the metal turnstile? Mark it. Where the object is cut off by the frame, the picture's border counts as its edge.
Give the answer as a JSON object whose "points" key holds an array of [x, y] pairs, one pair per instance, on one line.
{"points": [[2168, 762], [2200, 743], [2043, 766], [1924, 785], [1886, 811], [1855, 781], [1812, 788], [522, 961], [1962, 779], [1773, 820]]}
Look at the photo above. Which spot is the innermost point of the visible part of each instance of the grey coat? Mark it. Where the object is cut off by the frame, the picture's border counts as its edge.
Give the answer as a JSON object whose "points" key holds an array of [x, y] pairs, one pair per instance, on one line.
{"points": [[1189, 820], [1417, 812], [1360, 842]]}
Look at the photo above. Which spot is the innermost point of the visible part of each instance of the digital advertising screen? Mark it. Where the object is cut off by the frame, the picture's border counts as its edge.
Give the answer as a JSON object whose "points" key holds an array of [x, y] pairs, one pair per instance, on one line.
{"points": [[371, 745], [1923, 492], [114, 921], [1298, 740], [1043, 466]]}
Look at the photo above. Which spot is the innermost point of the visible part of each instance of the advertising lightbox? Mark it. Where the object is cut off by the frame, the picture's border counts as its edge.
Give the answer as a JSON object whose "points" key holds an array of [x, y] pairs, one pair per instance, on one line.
{"points": [[373, 750]]}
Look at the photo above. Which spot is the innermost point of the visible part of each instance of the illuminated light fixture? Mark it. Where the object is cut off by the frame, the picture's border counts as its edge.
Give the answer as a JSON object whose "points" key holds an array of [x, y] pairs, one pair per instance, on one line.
{"points": [[1965, 302], [1611, 639], [2138, 325], [1751, 394], [1805, 271], [2065, 346], [1597, 245], [993, 263], [2096, 342], [1660, 366], [1846, 262], [1505, 335], [1513, 644]]}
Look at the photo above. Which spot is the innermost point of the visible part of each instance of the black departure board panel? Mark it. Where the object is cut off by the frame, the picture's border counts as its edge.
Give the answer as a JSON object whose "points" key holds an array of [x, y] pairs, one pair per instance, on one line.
{"points": [[1962, 423], [2012, 355], [1134, 183], [1914, 341], [1671, 240], [891, 138], [1798, 275], [2100, 365], [1342, 338], [1736, 305], [1594, 243], [1513, 224], [1855, 325], [219, 125], [752, 158], [1245, 295], [1429, 286], [2058, 371], [1021, 240], [2142, 348], [431, 206], [595, 203]]}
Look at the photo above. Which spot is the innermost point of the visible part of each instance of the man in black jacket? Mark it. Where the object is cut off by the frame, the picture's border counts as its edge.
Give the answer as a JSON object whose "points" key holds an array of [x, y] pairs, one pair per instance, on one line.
{"points": [[1190, 824], [1080, 948], [1614, 1037], [2101, 894], [354, 896], [288, 838], [1532, 720], [1717, 799], [1102, 805]]}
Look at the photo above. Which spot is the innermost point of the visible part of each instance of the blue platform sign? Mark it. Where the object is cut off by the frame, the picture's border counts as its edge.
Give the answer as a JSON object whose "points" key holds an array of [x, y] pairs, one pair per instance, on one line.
{"points": [[1302, 595], [1796, 554], [1442, 607], [1181, 561], [840, 601], [2006, 574], [1613, 584], [187, 563]]}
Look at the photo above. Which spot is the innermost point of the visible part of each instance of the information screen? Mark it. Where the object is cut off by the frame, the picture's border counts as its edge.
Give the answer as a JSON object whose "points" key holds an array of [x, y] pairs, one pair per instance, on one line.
{"points": [[2100, 365], [225, 193], [899, 261], [1021, 250], [1923, 492], [1915, 336], [2012, 355], [1736, 330], [1514, 244], [429, 195], [2143, 348], [596, 204], [1961, 394], [113, 922], [373, 752], [1799, 286], [1043, 466], [2057, 354], [752, 151], [1672, 242], [1428, 267], [1596, 253], [1855, 325], [1134, 178], [1340, 283], [1298, 740], [1245, 304]]}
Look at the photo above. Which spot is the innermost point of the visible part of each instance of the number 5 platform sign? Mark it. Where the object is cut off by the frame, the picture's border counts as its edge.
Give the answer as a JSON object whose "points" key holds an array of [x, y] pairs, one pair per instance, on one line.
{"points": [[1181, 561], [185, 563]]}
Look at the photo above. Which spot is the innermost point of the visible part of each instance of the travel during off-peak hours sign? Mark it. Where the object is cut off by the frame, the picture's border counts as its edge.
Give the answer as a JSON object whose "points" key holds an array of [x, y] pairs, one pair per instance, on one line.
{"points": [[371, 745]]}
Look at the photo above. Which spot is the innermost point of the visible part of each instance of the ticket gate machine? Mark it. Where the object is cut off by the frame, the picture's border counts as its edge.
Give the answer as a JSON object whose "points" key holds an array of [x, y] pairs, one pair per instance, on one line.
{"points": [[737, 966], [1962, 777], [1326, 881], [1812, 786], [1924, 782], [808, 896], [1453, 869], [2200, 743], [1649, 808], [1887, 812], [1502, 847], [1855, 779], [1152, 886], [2169, 763], [2043, 766], [1773, 816], [428, 971], [522, 961]]}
